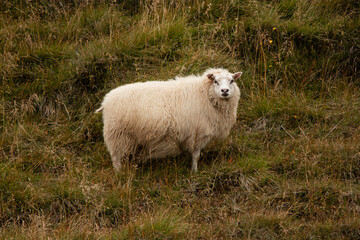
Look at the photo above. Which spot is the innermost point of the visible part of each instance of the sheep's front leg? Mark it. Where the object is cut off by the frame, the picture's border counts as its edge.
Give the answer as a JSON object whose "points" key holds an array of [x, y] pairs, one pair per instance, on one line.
{"points": [[195, 158]]}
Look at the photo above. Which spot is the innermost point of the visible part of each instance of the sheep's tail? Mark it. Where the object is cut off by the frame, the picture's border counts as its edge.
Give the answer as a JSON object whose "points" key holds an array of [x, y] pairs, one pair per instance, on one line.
{"points": [[99, 110]]}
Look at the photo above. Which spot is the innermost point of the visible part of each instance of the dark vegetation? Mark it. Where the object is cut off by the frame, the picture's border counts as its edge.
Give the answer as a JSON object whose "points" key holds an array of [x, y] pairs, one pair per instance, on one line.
{"points": [[289, 170]]}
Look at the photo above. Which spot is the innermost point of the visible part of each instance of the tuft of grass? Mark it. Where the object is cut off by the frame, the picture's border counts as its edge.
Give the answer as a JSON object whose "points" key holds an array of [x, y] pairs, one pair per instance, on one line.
{"points": [[163, 224], [222, 180]]}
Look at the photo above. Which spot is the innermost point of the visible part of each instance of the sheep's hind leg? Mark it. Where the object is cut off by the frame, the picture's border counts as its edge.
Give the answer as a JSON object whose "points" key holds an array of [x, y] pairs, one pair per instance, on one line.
{"points": [[116, 161], [195, 158], [120, 155]]}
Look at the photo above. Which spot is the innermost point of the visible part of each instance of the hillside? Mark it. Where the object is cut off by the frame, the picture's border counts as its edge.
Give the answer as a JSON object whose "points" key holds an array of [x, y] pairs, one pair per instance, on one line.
{"points": [[289, 170]]}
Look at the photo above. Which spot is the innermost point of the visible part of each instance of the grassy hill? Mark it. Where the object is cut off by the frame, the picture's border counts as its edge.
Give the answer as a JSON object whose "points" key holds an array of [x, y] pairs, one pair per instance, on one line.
{"points": [[289, 170]]}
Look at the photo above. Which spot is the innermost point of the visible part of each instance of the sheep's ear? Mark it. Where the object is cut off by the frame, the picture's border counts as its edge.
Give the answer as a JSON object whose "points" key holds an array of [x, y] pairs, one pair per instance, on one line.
{"points": [[237, 75], [211, 76]]}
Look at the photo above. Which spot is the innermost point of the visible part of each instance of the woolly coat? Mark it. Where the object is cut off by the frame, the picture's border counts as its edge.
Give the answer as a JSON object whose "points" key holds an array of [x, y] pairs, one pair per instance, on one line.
{"points": [[157, 119]]}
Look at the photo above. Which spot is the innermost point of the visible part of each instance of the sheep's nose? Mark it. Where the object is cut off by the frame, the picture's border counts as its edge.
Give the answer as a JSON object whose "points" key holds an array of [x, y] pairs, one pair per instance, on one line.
{"points": [[225, 90]]}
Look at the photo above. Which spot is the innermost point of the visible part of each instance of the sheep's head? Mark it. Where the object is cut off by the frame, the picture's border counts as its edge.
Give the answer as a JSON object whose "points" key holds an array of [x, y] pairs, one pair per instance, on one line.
{"points": [[224, 83]]}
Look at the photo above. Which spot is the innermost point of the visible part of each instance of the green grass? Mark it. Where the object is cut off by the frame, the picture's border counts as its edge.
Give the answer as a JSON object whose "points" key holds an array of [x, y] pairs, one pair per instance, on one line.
{"points": [[289, 170]]}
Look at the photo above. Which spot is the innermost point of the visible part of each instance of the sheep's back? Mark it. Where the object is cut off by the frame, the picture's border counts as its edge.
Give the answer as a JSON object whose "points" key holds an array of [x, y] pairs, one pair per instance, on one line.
{"points": [[149, 111]]}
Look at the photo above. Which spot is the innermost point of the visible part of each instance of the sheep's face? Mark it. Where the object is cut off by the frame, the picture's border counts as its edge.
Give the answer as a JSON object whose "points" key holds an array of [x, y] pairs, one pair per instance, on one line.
{"points": [[224, 83]]}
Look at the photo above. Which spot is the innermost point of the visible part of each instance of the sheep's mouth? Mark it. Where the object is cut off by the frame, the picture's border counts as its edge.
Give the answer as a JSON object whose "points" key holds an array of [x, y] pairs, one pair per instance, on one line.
{"points": [[225, 95]]}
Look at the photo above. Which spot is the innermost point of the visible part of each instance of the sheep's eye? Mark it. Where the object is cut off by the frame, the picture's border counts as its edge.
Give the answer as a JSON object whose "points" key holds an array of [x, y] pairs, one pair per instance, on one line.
{"points": [[231, 81], [216, 82]]}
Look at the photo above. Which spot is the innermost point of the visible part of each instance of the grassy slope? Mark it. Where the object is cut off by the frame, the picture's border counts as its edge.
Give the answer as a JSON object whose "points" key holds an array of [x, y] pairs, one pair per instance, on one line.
{"points": [[289, 170]]}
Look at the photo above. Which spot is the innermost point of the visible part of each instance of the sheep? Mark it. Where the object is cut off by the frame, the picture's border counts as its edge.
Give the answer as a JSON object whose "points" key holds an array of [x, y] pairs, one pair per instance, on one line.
{"points": [[157, 119]]}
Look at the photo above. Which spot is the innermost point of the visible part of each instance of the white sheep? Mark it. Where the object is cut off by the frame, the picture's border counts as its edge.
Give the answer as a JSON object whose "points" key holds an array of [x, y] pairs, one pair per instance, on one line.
{"points": [[158, 119]]}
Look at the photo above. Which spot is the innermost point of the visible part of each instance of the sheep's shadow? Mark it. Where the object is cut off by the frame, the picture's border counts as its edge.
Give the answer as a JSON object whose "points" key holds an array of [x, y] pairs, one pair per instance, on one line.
{"points": [[169, 164], [181, 163]]}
